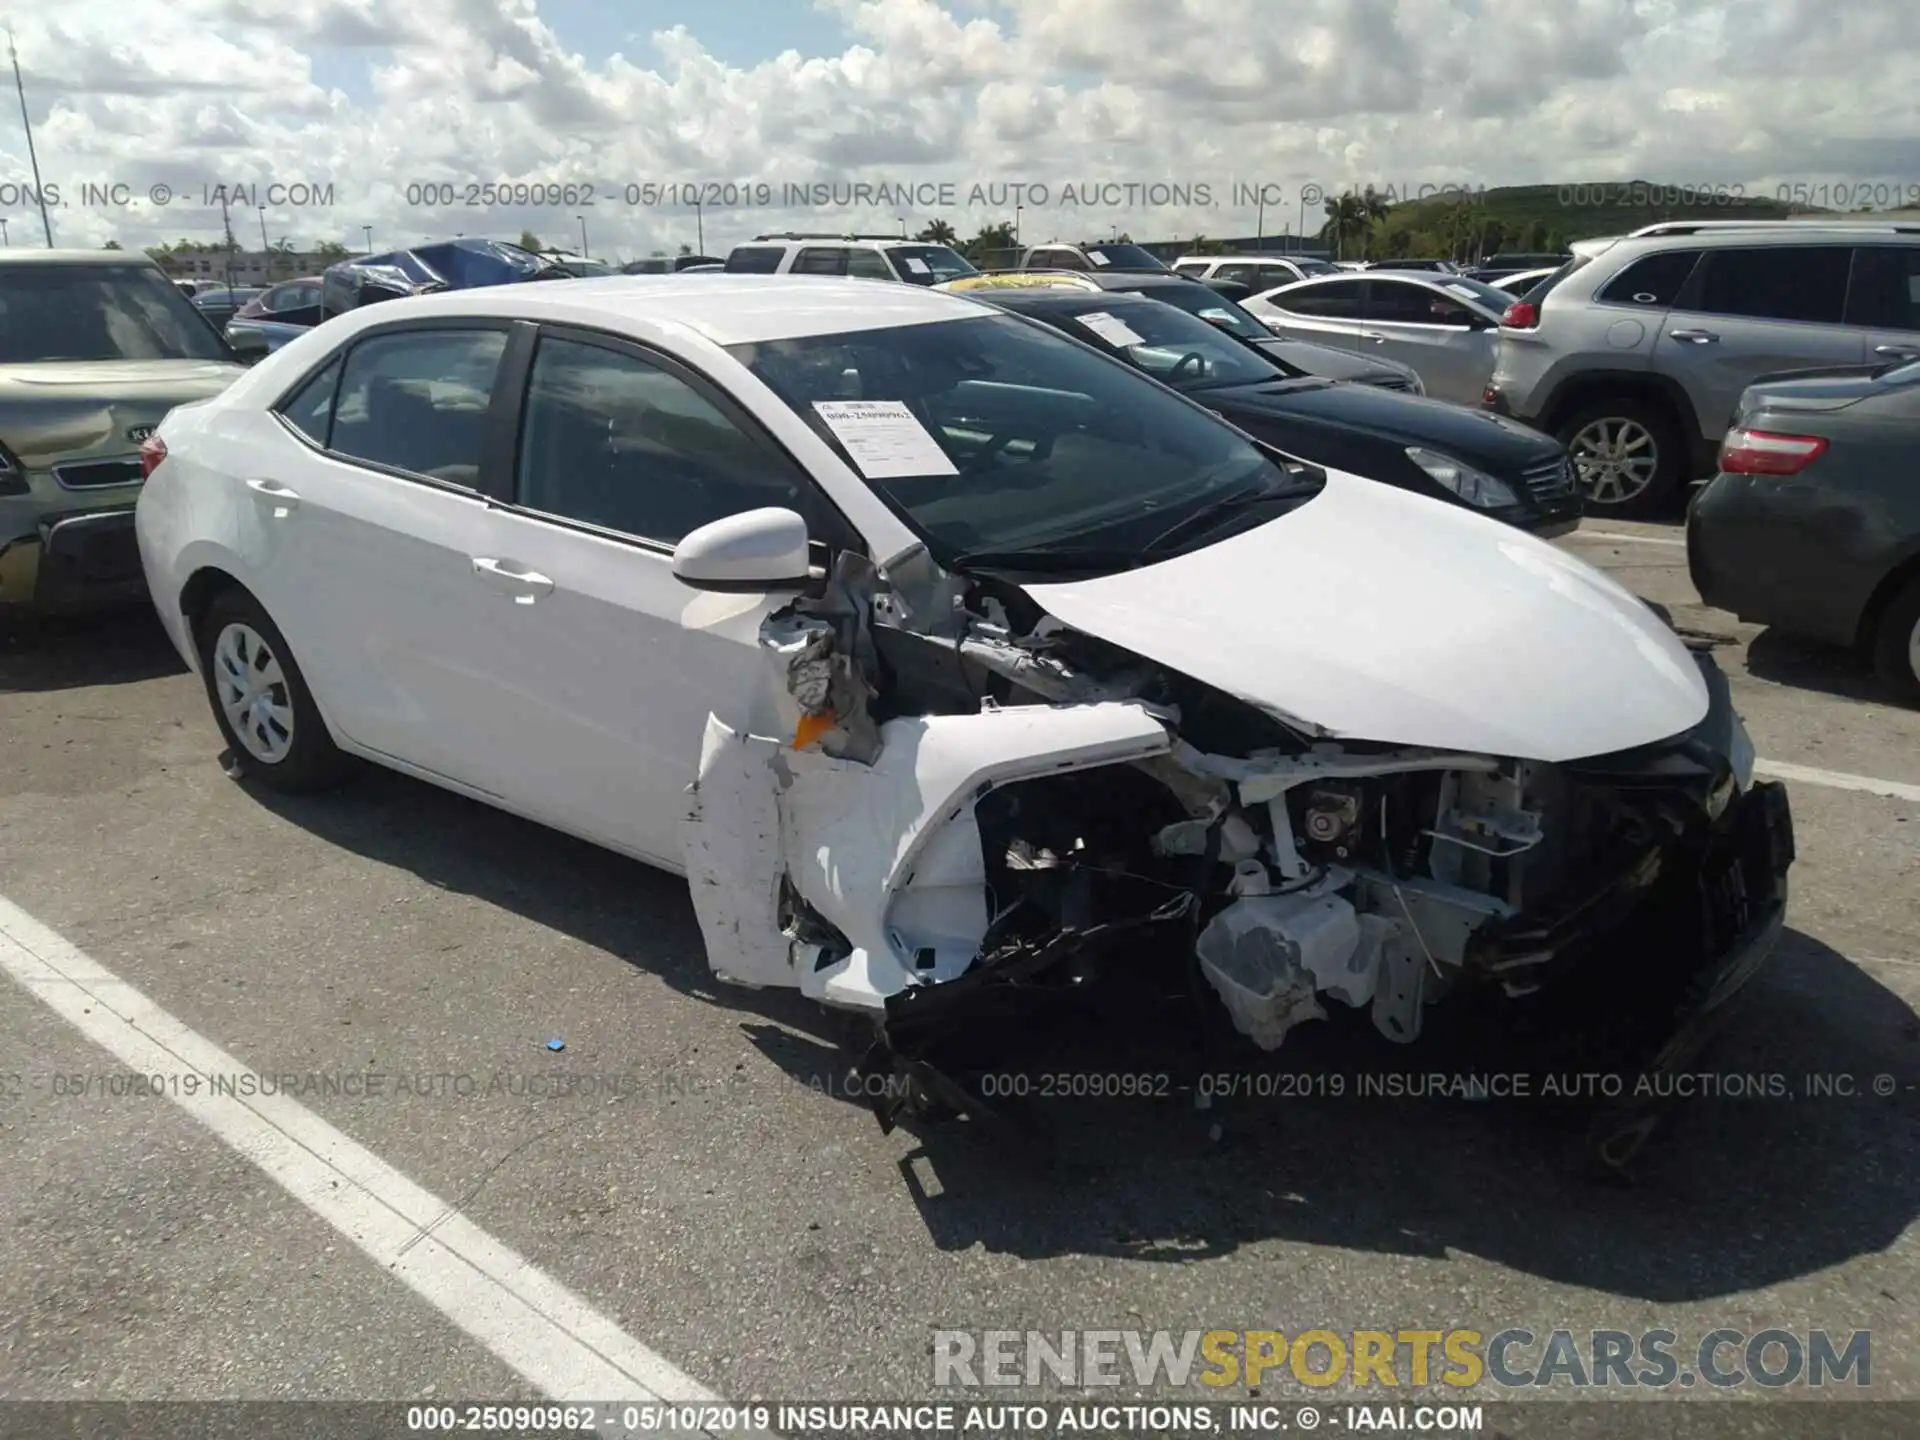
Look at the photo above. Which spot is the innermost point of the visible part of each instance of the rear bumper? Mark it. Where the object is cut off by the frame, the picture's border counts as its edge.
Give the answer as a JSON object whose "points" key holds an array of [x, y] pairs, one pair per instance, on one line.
{"points": [[85, 560], [1783, 555]]}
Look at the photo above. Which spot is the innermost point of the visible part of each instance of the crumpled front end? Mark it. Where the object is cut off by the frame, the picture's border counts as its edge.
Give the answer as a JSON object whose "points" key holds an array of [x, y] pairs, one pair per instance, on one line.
{"points": [[970, 811]]}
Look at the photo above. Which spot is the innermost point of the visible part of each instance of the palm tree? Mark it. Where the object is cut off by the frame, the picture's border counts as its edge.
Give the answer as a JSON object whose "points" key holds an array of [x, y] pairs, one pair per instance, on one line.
{"points": [[937, 232], [992, 241], [1372, 208], [1346, 219]]}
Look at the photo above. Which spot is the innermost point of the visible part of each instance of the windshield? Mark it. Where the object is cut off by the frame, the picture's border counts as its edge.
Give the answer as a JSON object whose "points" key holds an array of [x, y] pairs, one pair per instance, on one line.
{"points": [[1123, 257], [994, 434], [1210, 305], [929, 264], [1174, 347], [99, 312]]}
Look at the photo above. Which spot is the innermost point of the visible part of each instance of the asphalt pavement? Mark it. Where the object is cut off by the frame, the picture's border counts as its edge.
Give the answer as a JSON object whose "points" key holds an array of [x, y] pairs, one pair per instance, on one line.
{"points": [[688, 1166]]}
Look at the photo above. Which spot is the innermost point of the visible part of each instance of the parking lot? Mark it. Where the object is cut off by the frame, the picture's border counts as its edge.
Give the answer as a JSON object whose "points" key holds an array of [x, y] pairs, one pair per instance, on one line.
{"points": [[687, 1161]]}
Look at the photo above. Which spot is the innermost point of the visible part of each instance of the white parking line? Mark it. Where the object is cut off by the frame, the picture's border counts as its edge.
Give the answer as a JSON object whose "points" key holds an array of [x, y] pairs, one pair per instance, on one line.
{"points": [[549, 1335], [1630, 539], [1836, 779]]}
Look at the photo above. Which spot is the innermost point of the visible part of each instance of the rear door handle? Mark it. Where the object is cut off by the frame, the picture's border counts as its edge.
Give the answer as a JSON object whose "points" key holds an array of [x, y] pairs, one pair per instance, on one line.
{"points": [[1897, 352], [527, 585], [1696, 337], [1374, 335], [285, 501]]}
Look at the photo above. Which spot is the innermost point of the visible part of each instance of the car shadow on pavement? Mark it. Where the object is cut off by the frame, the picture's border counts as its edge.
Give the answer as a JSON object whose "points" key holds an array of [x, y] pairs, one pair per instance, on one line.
{"points": [[1809, 665], [118, 647], [1766, 1182]]}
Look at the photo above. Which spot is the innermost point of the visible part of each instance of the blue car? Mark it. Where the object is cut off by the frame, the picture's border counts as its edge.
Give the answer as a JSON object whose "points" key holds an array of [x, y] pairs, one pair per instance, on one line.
{"points": [[463, 264]]}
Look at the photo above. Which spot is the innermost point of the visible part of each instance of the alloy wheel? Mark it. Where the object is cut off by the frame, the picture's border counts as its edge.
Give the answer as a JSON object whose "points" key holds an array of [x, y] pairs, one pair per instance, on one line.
{"points": [[252, 690], [1615, 459]]}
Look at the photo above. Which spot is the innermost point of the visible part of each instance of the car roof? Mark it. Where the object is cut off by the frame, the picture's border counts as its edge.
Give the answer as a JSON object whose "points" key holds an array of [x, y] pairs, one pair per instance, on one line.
{"points": [[24, 256], [725, 309]]}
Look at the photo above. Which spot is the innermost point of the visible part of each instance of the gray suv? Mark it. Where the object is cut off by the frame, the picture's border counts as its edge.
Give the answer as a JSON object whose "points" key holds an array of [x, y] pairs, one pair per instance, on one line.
{"points": [[1635, 353]]}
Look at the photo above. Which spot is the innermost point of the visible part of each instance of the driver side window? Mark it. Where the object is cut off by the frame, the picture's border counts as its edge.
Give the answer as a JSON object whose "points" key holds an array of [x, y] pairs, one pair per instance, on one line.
{"points": [[612, 441]]}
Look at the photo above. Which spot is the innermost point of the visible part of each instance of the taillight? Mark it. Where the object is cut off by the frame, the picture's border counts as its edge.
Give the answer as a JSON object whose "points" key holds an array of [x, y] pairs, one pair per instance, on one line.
{"points": [[152, 451], [1520, 316], [1767, 452]]}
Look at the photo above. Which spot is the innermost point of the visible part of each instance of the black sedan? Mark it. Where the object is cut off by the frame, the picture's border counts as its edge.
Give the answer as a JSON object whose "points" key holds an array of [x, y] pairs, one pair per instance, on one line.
{"points": [[1468, 457], [1813, 523]]}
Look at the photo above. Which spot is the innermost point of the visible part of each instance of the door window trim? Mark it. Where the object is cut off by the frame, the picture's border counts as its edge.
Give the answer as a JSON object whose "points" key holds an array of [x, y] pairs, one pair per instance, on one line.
{"points": [[487, 487], [827, 525]]}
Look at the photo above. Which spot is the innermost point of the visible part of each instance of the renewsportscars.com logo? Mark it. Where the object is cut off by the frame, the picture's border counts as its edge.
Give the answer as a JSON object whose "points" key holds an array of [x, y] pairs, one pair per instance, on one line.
{"points": [[1513, 1358]]}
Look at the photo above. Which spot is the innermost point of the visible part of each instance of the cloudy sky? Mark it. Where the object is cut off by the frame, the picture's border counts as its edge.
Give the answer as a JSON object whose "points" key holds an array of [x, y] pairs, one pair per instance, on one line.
{"points": [[376, 99]]}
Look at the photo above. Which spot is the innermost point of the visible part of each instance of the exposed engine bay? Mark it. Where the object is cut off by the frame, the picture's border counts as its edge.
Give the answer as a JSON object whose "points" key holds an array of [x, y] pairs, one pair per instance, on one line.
{"points": [[967, 808]]}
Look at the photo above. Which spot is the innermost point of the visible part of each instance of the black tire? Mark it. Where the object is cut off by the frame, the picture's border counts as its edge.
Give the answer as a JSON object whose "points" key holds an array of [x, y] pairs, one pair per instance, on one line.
{"points": [[1671, 463], [311, 761], [1893, 640]]}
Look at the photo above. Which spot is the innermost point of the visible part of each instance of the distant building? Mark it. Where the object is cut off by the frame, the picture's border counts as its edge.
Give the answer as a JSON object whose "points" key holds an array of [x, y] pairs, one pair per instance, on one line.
{"points": [[249, 267]]}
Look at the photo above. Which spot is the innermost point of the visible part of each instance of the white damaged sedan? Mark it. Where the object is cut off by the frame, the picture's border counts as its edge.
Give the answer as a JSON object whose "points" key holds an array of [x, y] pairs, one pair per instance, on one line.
{"points": [[955, 663]]}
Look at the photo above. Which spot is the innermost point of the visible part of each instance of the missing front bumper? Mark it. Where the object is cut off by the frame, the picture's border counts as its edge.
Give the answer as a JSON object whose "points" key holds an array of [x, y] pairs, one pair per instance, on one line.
{"points": [[74, 562]]}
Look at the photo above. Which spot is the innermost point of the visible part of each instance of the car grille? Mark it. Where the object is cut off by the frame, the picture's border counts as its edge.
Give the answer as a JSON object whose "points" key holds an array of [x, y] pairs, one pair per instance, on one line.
{"points": [[98, 474], [1550, 479]]}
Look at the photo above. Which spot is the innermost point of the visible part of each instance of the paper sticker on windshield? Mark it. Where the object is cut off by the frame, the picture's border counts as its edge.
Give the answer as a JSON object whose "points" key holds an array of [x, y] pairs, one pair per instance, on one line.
{"points": [[918, 267], [1220, 315], [884, 438], [1097, 258], [1114, 331], [1463, 290]]}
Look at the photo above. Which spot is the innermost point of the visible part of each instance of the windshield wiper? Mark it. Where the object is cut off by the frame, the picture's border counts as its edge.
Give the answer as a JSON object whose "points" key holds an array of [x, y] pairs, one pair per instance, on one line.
{"points": [[1048, 558], [1199, 521]]}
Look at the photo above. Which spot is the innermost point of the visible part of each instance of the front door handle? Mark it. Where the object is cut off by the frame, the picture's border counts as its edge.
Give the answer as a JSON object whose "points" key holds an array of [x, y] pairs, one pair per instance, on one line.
{"points": [[527, 585], [1898, 352], [1374, 335], [285, 501], [1696, 337]]}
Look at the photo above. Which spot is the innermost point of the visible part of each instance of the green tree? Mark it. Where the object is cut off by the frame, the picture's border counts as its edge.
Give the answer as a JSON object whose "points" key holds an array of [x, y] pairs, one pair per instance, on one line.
{"points": [[1372, 208], [111, 245], [1553, 242], [530, 241], [1346, 223], [685, 248], [937, 232], [994, 245], [331, 250]]}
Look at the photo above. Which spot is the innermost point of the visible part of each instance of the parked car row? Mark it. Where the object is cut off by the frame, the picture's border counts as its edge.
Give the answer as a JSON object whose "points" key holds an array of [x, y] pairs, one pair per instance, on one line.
{"points": [[964, 666]]}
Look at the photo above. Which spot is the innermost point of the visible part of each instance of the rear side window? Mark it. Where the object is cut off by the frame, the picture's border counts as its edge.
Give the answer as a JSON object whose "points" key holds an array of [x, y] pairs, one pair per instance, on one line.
{"points": [[1885, 294], [1807, 283], [868, 265], [1059, 260], [310, 408], [1195, 268], [1652, 281], [418, 401], [754, 259], [819, 260]]}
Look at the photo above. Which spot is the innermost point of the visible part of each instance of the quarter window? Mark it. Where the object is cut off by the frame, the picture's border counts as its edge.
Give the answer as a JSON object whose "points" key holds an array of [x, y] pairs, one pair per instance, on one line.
{"points": [[868, 265], [819, 260], [615, 442], [418, 401], [1886, 288], [1652, 281], [310, 409], [754, 259]]}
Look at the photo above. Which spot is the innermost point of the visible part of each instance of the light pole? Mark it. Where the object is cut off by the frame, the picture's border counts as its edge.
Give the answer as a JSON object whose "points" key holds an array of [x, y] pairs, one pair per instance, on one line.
{"points": [[33, 159], [1260, 225], [1303, 216], [1016, 222], [368, 231], [3, 235], [699, 229], [266, 250], [583, 237], [903, 225]]}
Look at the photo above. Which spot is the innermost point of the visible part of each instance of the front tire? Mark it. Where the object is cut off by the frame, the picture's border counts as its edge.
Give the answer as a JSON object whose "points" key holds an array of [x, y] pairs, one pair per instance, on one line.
{"points": [[261, 702], [1628, 455], [1896, 643]]}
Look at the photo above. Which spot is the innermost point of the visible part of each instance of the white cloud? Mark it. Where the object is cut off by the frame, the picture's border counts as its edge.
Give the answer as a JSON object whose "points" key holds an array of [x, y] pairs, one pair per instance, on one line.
{"points": [[1394, 92]]}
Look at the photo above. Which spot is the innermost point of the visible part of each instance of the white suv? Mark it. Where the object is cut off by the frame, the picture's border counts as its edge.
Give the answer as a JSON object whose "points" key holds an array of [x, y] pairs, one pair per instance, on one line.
{"points": [[1259, 273], [864, 257]]}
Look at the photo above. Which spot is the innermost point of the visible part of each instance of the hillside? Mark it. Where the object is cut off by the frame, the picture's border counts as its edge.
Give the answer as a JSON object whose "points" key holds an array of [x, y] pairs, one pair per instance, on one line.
{"points": [[1546, 217]]}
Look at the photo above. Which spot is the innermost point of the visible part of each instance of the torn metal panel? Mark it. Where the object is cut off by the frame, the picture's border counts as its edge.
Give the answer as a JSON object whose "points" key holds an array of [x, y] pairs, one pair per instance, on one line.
{"points": [[890, 854], [730, 839], [826, 657]]}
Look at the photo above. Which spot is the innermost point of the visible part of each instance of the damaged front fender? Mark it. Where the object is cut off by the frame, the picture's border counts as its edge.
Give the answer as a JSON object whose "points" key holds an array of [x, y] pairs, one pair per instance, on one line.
{"points": [[854, 881]]}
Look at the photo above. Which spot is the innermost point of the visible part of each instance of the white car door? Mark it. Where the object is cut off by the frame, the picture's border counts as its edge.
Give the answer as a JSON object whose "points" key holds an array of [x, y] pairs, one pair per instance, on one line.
{"points": [[608, 666], [1447, 342], [1327, 312], [378, 516]]}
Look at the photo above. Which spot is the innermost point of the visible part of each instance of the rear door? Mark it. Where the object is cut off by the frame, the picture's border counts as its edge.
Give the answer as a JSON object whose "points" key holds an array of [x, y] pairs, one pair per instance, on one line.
{"points": [[372, 511], [1446, 342], [1750, 311], [1326, 311], [1884, 301]]}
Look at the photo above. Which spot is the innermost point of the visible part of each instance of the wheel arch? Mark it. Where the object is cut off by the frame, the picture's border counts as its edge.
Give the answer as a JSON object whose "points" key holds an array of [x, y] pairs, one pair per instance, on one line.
{"points": [[1645, 385], [1904, 572]]}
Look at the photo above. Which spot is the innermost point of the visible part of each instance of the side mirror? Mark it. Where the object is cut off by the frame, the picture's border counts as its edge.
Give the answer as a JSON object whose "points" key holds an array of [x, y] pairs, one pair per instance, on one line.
{"points": [[754, 550], [250, 345]]}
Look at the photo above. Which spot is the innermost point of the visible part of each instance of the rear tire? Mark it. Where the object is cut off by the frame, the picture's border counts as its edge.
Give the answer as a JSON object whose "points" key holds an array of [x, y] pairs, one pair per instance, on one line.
{"points": [[1896, 643], [1628, 454], [261, 702]]}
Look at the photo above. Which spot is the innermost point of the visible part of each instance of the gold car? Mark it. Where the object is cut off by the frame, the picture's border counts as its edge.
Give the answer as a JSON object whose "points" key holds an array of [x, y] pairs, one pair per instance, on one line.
{"points": [[96, 346]]}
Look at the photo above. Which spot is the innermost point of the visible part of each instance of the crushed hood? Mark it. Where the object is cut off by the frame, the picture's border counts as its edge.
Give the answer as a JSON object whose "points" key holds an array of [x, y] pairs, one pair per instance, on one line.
{"points": [[1373, 614]]}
